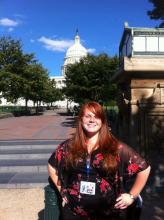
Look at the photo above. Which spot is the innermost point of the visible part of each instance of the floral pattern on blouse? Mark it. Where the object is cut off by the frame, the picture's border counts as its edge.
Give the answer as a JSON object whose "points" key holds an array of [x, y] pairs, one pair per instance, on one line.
{"points": [[132, 168], [75, 189], [79, 210], [98, 159], [104, 186], [130, 161]]}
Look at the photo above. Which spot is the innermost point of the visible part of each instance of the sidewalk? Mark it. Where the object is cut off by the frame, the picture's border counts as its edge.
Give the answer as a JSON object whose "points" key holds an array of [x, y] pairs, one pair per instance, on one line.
{"points": [[153, 207], [22, 204], [52, 125]]}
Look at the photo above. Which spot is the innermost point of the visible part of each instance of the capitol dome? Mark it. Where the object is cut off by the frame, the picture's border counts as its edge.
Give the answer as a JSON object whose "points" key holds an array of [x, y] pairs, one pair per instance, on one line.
{"points": [[74, 53]]}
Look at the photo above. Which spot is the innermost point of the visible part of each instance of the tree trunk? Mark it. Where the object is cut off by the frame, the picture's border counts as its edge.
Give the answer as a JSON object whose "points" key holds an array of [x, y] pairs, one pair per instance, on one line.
{"points": [[26, 104], [37, 106]]}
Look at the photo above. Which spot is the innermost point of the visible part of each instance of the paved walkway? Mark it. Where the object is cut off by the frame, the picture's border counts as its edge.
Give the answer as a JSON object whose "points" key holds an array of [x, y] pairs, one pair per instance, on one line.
{"points": [[52, 125], [28, 204]]}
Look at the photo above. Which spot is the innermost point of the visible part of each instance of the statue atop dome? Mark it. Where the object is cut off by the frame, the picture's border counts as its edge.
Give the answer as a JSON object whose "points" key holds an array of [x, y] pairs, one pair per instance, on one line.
{"points": [[77, 38]]}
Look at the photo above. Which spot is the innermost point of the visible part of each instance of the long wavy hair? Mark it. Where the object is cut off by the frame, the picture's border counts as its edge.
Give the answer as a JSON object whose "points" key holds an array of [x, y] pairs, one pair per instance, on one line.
{"points": [[107, 143]]}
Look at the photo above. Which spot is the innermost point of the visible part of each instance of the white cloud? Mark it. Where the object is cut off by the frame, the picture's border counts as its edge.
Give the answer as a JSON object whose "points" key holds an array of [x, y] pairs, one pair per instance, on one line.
{"points": [[8, 22], [55, 45], [32, 41], [91, 50]]}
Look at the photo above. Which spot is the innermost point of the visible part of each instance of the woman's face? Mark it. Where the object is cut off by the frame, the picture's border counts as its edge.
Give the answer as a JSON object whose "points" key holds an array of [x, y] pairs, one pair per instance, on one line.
{"points": [[90, 123]]}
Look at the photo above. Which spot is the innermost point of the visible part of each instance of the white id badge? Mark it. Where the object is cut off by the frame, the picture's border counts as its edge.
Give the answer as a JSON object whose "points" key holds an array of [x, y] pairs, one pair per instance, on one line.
{"points": [[87, 187]]}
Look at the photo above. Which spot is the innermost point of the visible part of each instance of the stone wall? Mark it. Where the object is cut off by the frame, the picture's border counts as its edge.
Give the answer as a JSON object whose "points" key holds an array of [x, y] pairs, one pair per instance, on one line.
{"points": [[141, 123]]}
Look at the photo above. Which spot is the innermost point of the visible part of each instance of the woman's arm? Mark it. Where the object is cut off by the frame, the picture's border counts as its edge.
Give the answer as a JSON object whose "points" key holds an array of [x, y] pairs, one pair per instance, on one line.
{"points": [[127, 199], [140, 182], [53, 174]]}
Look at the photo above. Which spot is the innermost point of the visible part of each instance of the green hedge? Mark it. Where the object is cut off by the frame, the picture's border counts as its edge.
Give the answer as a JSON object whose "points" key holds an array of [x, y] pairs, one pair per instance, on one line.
{"points": [[20, 110]]}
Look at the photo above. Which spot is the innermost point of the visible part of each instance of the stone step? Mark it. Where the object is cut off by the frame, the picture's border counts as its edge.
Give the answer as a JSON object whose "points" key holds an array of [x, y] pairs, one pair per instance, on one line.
{"points": [[25, 169], [25, 156], [24, 150], [26, 147], [23, 164], [29, 165], [29, 142], [23, 180]]}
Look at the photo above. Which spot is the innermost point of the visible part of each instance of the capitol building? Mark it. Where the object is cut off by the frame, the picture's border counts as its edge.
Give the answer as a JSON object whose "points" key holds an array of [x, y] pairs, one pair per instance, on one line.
{"points": [[73, 55]]}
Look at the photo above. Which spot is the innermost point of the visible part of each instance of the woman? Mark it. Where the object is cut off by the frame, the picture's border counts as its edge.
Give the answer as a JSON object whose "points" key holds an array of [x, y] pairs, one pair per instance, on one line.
{"points": [[88, 170]]}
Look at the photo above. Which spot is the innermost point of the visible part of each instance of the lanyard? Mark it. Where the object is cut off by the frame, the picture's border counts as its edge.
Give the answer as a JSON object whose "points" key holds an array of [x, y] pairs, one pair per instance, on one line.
{"points": [[88, 161]]}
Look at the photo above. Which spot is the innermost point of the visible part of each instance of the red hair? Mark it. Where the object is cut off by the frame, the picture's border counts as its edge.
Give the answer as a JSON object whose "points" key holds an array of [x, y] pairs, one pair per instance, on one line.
{"points": [[107, 144]]}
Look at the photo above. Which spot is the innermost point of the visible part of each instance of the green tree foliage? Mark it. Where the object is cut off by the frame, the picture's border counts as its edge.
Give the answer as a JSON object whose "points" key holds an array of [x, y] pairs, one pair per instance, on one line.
{"points": [[157, 13], [13, 64], [52, 93], [21, 76], [36, 78], [90, 79]]}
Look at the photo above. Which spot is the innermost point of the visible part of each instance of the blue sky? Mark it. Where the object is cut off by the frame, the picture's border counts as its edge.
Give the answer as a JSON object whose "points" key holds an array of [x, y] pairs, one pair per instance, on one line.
{"points": [[47, 27]]}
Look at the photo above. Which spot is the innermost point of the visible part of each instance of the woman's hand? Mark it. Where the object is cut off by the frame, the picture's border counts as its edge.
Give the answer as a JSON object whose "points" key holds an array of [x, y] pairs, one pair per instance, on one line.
{"points": [[123, 201], [64, 201]]}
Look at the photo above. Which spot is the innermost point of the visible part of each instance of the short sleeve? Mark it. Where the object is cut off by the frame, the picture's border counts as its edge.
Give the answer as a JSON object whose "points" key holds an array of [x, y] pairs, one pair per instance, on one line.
{"points": [[131, 162], [57, 161], [56, 157]]}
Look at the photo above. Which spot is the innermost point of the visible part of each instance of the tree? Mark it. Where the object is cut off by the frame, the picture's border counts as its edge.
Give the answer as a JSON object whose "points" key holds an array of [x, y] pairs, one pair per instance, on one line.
{"points": [[21, 76], [52, 93], [90, 79], [36, 81], [157, 13], [13, 64], [12, 85]]}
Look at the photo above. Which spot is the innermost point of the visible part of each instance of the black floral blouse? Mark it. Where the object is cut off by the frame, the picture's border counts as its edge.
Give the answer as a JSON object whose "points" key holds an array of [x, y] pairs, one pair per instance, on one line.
{"points": [[108, 187]]}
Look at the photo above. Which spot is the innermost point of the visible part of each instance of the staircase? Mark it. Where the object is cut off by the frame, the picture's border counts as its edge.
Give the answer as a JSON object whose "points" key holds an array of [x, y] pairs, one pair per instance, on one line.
{"points": [[23, 164]]}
